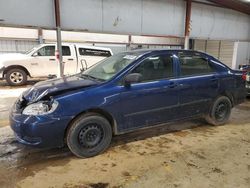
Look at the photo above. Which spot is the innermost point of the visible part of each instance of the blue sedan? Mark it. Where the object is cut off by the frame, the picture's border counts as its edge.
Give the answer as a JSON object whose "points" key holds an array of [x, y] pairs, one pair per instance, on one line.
{"points": [[123, 93]]}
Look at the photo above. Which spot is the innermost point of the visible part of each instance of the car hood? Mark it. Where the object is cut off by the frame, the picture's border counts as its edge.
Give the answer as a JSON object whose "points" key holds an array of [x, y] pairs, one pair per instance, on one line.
{"points": [[12, 56], [46, 89]]}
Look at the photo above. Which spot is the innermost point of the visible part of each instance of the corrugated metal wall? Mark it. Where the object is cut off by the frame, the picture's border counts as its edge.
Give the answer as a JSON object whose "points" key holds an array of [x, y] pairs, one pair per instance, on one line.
{"points": [[242, 55], [213, 48], [21, 46], [138, 17], [226, 52], [13, 46], [223, 50], [215, 23], [200, 45], [116, 48]]}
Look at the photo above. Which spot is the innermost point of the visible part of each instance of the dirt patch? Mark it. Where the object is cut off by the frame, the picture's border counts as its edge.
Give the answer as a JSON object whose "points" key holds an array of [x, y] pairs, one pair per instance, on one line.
{"points": [[181, 133], [198, 155], [90, 185], [125, 173], [98, 185], [217, 170], [192, 165]]}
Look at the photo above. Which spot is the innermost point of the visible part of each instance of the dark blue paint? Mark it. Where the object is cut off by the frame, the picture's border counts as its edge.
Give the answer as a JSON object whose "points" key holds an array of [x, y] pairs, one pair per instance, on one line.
{"points": [[141, 105]]}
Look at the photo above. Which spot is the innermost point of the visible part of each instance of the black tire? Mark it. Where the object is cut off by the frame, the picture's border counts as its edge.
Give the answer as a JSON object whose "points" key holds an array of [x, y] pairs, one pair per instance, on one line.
{"points": [[16, 77], [220, 111], [89, 135]]}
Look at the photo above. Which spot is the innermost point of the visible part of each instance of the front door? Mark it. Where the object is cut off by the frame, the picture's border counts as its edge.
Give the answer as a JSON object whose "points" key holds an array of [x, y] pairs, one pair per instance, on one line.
{"points": [[153, 100], [43, 62]]}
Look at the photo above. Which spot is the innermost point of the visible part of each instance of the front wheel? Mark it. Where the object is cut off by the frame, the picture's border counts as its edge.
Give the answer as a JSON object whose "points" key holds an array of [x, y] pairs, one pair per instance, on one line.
{"points": [[16, 77], [220, 111], [89, 135]]}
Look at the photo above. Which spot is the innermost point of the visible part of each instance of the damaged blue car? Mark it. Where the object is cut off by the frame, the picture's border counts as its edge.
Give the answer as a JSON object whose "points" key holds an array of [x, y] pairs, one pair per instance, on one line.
{"points": [[123, 93]]}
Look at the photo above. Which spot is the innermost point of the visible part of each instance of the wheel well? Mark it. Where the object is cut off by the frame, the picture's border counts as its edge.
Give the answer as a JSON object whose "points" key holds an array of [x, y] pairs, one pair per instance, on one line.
{"points": [[230, 96], [15, 67], [107, 115], [101, 112]]}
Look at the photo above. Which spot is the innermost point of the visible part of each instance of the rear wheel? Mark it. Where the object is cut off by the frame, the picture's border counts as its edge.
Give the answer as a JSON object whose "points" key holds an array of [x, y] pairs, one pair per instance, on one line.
{"points": [[89, 135], [16, 77], [220, 111]]}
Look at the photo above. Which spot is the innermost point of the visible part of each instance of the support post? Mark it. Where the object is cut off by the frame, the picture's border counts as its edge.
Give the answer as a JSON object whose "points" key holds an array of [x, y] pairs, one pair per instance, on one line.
{"points": [[187, 23], [129, 42], [59, 39], [40, 35]]}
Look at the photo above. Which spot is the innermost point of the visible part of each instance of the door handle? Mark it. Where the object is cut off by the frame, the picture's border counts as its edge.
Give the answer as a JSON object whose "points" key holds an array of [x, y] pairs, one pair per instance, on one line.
{"points": [[70, 59], [213, 79], [34, 63], [52, 59]]}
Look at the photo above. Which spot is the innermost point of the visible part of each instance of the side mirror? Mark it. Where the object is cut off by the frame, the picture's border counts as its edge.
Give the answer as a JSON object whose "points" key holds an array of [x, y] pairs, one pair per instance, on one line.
{"points": [[132, 78], [35, 54]]}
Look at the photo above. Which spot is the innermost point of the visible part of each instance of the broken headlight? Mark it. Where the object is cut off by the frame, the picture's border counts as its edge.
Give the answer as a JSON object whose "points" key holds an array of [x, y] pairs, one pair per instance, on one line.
{"points": [[41, 108]]}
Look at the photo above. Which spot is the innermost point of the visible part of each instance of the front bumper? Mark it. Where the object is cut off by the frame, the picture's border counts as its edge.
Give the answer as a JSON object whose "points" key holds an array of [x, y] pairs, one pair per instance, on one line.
{"points": [[42, 131]]}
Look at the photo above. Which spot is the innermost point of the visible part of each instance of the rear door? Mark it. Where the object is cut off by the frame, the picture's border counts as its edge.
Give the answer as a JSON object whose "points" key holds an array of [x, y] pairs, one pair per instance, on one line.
{"points": [[69, 59], [198, 83], [153, 100]]}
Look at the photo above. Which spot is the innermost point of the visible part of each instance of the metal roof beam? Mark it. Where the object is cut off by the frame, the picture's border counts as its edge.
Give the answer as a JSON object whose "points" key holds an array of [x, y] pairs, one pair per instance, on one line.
{"points": [[235, 5]]}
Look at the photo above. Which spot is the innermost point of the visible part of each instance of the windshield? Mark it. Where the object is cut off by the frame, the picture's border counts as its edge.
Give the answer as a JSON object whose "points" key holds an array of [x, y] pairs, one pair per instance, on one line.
{"points": [[30, 50], [109, 67]]}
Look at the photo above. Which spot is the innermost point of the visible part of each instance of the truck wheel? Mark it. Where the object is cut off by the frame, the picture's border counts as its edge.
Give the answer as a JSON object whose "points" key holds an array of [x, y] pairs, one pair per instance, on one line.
{"points": [[220, 111], [16, 77], [89, 135]]}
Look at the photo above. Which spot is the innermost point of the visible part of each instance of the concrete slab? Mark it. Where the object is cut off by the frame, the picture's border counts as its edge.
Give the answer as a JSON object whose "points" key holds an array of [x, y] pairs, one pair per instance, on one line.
{"points": [[7, 99], [183, 154]]}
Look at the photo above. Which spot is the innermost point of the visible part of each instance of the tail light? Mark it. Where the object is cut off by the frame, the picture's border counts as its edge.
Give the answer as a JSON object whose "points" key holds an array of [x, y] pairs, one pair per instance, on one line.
{"points": [[244, 76]]}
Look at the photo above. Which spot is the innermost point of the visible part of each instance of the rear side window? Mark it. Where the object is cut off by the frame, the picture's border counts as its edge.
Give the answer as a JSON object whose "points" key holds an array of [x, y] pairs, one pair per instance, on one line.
{"points": [[94, 52], [155, 68], [66, 51], [194, 64]]}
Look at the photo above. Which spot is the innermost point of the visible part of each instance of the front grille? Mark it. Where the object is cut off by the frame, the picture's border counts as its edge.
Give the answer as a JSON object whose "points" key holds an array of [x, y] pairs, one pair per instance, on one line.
{"points": [[20, 104]]}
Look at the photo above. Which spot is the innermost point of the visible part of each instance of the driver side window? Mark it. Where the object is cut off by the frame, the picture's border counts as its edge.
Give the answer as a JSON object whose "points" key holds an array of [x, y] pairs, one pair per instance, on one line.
{"points": [[155, 68], [46, 51]]}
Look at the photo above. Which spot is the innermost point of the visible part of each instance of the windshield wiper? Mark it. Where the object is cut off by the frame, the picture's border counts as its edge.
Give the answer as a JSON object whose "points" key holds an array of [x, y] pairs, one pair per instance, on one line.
{"points": [[91, 77]]}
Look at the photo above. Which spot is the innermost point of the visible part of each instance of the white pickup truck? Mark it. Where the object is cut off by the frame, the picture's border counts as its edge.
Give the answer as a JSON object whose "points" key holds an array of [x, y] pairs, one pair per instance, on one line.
{"points": [[41, 62]]}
